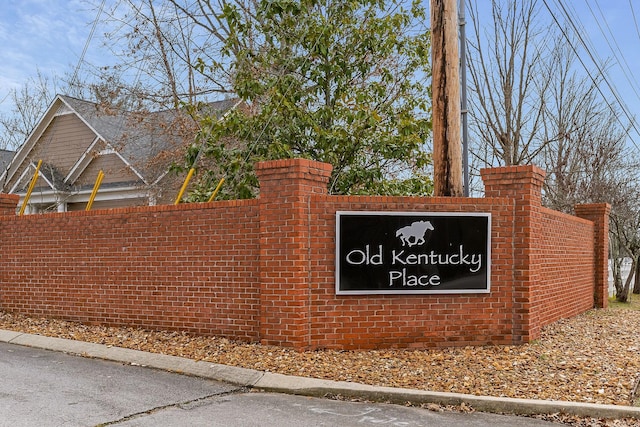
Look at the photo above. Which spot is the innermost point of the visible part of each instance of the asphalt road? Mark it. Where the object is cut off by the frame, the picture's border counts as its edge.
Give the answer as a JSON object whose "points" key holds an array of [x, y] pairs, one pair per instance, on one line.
{"points": [[46, 388]]}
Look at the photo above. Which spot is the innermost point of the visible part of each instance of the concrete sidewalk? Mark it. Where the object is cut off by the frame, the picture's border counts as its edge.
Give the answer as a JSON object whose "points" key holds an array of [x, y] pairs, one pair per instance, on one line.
{"points": [[315, 387]]}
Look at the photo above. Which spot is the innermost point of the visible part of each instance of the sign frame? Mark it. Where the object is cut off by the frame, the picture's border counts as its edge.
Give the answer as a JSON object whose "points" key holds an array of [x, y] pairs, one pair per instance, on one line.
{"points": [[414, 290]]}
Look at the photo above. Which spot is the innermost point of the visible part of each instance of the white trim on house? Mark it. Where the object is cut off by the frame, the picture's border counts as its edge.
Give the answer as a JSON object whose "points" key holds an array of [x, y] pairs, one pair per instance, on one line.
{"points": [[83, 120], [22, 176], [108, 145], [64, 110], [82, 163], [30, 142], [51, 197], [29, 171], [134, 170], [58, 107], [162, 175]]}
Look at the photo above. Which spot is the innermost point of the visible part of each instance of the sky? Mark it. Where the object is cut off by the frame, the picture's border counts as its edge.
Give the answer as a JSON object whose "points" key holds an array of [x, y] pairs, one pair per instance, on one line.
{"points": [[44, 35], [49, 36], [611, 30]]}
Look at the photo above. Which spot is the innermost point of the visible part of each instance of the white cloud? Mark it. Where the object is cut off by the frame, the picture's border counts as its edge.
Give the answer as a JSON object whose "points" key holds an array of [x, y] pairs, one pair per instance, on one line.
{"points": [[45, 35]]}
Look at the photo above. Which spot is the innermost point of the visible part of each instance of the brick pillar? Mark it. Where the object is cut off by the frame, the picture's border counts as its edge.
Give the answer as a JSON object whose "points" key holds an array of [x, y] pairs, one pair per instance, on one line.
{"points": [[8, 204], [285, 189], [523, 184], [598, 213]]}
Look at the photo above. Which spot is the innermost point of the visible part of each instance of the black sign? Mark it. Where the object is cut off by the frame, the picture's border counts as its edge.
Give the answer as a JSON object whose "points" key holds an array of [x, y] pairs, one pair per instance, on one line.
{"points": [[406, 253]]}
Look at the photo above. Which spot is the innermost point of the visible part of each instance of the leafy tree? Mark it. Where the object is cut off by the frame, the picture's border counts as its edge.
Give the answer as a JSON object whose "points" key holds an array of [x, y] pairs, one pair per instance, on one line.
{"points": [[341, 82]]}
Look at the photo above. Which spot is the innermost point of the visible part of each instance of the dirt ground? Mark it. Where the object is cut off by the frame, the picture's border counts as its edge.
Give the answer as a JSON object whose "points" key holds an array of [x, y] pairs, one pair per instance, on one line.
{"points": [[594, 358]]}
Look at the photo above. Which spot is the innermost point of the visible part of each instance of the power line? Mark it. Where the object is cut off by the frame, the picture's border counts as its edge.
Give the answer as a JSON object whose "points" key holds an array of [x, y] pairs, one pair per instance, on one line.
{"points": [[624, 65], [601, 71], [591, 50], [635, 21], [86, 45]]}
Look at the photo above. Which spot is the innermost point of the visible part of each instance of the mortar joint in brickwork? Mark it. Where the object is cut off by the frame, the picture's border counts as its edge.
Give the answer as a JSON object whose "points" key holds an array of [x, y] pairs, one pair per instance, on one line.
{"points": [[264, 270]]}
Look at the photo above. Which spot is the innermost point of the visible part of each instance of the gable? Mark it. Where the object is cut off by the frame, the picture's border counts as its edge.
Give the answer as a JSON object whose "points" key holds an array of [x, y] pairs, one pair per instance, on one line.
{"points": [[64, 142], [114, 168], [45, 182], [60, 144], [76, 139]]}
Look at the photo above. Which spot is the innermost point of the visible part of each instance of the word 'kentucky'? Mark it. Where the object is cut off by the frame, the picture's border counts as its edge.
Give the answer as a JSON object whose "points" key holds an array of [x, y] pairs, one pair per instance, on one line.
{"points": [[403, 257]]}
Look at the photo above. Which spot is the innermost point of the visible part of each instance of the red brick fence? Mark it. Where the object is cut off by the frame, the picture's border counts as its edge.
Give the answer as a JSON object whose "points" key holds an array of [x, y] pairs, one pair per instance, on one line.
{"points": [[264, 270]]}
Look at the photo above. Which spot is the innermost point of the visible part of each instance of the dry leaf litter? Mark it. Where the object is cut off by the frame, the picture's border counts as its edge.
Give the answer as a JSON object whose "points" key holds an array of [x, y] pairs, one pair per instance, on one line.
{"points": [[593, 358]]}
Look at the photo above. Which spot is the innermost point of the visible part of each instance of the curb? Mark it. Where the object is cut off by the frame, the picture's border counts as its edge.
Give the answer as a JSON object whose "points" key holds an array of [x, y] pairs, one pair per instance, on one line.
{"points": [[267, 381]]}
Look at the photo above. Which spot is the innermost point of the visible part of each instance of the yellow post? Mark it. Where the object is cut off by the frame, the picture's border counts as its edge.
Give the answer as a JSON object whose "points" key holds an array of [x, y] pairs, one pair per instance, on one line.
{"points": [[184, 185], [31, 185], [95, 190], [213, 195]]}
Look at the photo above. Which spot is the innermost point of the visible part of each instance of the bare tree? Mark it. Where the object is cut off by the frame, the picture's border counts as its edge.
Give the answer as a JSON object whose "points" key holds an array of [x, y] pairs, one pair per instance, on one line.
{"points": [[529, 104], [625, 231], [160, 53], [28, 104], [616, 257], [584, 154], [509, 72]]}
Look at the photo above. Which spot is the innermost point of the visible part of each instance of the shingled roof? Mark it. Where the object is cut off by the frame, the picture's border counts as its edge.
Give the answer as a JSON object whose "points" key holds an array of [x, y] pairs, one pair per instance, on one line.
{"points": [[138, 137], [76, 138]]}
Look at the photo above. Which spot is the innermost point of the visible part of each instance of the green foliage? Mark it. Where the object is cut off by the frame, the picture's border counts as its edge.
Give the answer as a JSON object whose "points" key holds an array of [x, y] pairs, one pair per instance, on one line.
{"points": [[632, 304], [341, 82]]}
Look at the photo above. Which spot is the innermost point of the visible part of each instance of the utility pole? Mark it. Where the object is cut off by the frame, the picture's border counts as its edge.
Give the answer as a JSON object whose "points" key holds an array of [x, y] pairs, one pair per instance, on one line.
{"points": [[447, 158], [463, 100]]}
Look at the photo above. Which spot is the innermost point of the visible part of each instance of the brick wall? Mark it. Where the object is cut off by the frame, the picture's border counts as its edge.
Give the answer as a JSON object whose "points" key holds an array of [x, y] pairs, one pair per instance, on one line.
{"points": [[8, 204], [598, 214], [563, 261], [371, 321], [188, 267], [264, 270]]}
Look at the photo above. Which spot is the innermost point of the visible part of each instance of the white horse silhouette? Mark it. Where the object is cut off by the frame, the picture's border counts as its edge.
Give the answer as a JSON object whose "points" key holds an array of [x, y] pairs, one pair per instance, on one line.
{"points": [[414, 234]]}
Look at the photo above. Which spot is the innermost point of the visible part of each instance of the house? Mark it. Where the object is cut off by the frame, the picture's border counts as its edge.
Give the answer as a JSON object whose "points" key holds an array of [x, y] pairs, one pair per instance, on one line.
{"points": [[75, 139], [5, 158]]}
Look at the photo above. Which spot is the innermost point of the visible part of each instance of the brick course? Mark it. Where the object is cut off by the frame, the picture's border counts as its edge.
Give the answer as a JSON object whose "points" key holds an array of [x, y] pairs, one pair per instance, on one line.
{"points": [[188, 267], [263, 270]]}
